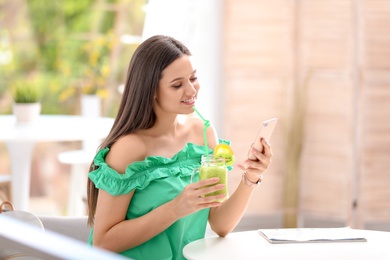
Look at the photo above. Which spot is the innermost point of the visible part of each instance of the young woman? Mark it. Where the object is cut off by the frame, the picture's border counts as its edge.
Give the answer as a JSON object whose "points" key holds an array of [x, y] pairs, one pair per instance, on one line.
{"points": [[141, 201]]}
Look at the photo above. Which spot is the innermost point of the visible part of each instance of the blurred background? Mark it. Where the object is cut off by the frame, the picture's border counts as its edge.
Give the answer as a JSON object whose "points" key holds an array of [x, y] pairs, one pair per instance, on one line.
{"points": [[322, 67]]}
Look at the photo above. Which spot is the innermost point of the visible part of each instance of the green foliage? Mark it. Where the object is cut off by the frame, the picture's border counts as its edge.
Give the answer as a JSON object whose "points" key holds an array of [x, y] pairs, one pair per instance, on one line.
{"points": [[48, 28], [55, 35], [78, 15], [25, 91], [108, 22]]}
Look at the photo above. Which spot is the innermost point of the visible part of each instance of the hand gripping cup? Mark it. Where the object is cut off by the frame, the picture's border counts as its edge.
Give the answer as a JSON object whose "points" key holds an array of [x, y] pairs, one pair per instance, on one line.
{"points": [[212, 167]]}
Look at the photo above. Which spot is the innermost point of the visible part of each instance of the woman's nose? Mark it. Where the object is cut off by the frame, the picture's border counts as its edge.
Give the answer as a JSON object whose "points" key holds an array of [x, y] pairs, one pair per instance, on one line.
{"points": [[191, 89]]}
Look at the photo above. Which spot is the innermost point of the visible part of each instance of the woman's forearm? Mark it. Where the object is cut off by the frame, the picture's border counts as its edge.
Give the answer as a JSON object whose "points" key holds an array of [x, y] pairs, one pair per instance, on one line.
{"points": [[226, 217]]}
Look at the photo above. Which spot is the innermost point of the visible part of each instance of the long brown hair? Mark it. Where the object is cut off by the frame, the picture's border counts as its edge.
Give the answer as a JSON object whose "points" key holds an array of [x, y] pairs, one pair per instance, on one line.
{"points": [[136, 107]]}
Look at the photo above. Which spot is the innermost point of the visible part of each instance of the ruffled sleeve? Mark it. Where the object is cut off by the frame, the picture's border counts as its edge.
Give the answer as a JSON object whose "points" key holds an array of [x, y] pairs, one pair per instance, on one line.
{"points": [[139, 174]]}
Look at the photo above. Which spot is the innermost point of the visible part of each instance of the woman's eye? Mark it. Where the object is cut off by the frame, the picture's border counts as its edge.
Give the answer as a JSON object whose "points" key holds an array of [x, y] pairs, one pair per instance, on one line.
{"points": [[177, 86], [193, 78]]}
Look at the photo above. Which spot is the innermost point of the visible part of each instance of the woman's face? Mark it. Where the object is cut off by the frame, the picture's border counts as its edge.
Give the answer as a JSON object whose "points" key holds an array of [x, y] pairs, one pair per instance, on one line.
{"points": [[178, 87]]}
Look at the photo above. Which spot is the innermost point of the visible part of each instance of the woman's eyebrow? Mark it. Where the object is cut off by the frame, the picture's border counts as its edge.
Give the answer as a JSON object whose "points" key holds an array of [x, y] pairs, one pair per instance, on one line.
{"points": [[175, 79], [182, 77]]}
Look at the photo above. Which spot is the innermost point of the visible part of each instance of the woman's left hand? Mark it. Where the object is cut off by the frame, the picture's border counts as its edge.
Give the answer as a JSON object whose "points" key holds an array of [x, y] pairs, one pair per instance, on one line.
{"points": [[255, 168]]}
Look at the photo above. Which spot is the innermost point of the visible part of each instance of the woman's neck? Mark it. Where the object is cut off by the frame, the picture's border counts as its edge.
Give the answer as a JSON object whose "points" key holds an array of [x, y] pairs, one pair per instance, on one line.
{"points": [[167, 126]]}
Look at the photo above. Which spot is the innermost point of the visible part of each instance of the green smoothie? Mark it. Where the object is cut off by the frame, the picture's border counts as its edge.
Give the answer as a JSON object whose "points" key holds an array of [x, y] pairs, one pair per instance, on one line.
{"points": [[207, 172]]}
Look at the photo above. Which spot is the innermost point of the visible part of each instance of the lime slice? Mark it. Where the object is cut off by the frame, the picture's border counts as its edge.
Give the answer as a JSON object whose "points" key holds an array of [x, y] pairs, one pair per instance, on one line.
{"points": [[224, 150]]}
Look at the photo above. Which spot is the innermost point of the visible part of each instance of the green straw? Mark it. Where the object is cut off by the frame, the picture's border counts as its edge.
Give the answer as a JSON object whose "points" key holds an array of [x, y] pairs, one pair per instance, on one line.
{"points": [[206, 125]]}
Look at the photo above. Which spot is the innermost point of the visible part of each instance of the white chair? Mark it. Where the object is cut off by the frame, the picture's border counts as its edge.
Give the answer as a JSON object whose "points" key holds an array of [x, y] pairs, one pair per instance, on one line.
{"points": [[72, 226], [19, 240], [80, 161]]}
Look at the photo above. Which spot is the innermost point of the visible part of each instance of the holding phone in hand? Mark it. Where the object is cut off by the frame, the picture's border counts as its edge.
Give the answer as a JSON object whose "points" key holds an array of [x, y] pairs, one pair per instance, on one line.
{"points": [[266, 129]]}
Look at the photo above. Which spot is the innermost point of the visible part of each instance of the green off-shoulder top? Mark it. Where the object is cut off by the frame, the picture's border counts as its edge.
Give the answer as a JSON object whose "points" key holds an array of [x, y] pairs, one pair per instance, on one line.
{"points": [[156, 180]]}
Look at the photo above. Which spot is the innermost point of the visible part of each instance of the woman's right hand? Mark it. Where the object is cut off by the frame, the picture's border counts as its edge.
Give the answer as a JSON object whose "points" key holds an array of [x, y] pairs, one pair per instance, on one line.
{"points": [[191, 199]]}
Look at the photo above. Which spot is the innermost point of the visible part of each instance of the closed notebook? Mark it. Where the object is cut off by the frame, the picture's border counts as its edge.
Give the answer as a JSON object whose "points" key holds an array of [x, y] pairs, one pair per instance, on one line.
{"points": [[311, 235]]}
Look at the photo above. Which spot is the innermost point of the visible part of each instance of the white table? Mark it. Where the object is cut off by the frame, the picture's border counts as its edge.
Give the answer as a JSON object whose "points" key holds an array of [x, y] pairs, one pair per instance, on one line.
{"points": [[21, 138], [251, 245]]}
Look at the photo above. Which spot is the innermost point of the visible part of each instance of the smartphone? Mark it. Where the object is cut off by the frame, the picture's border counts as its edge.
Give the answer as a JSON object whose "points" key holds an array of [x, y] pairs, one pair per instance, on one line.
{"points": [[266, 129]]}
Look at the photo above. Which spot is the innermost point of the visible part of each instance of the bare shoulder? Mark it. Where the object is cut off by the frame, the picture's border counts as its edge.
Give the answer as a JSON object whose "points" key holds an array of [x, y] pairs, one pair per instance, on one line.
{"points": [[197, 127], [124, 151]]}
